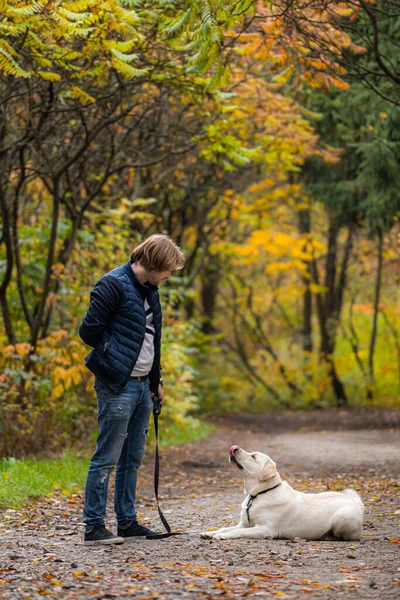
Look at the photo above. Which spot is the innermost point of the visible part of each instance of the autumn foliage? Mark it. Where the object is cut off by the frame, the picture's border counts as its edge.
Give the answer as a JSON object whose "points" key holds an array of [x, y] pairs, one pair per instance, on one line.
{"points": [[252, 133]]}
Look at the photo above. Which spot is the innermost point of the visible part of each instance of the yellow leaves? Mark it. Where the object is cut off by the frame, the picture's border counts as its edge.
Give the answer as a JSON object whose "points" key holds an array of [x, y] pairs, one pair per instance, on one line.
{"points": [[121, 46], [316, 288], [49, 76], [248, 37], [57, 392], [248, 49], [66, 377], [83, 97], [127, 70], [342, 9], [262, 185], [293, 251], [283, 267], [91, 27], [285, 75]]}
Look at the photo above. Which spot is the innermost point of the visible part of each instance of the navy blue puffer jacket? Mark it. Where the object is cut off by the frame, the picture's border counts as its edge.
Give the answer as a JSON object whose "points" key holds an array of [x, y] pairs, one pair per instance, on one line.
{"points": [[115, 324]]}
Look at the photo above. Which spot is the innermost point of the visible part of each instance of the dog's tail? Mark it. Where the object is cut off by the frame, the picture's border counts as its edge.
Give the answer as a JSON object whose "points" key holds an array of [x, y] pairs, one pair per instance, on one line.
{"points": [[355, 495]]}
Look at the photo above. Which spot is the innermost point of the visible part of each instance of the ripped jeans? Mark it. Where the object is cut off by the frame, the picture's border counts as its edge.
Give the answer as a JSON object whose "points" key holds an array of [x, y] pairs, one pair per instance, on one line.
{"points": [[123, 426]]}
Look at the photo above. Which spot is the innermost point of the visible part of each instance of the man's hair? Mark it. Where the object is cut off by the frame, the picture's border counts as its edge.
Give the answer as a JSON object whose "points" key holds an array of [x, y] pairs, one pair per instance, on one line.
{"points": [[159, 253]]}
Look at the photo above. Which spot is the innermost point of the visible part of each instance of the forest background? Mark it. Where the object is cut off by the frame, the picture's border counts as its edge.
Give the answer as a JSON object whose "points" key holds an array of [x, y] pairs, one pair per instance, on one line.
{"points": [[264, 138]]}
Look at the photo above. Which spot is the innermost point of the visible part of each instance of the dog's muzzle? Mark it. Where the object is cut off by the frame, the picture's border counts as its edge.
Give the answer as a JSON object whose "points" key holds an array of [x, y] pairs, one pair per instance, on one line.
{"points": [[232, 457]]}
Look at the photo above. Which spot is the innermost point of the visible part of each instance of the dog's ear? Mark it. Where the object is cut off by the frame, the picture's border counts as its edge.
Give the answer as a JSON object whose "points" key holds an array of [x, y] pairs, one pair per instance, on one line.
{"points": [[268, 471]]}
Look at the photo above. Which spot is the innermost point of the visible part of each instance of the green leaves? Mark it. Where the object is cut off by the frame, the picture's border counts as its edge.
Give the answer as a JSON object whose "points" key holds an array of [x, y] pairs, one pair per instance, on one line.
{"points": [[176, 26], [128, 70]]}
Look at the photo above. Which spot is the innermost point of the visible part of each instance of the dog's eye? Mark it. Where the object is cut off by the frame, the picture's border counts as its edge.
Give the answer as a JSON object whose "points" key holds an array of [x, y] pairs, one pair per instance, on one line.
{"points": [[253, 456]]}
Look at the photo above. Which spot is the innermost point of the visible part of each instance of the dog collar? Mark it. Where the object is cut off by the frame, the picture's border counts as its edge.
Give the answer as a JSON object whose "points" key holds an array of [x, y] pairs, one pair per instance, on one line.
{"points": [[251, 498]]}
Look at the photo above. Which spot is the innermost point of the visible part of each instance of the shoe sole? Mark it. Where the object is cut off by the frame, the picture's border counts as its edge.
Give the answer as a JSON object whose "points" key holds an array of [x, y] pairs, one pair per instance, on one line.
{"points": [[118, 540], [133, 537]]}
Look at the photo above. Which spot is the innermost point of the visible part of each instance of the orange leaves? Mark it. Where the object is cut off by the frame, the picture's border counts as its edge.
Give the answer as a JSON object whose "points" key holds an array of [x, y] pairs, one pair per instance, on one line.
{"points": [[22, 349], [298, 42], [367, 309], [40, 380]]}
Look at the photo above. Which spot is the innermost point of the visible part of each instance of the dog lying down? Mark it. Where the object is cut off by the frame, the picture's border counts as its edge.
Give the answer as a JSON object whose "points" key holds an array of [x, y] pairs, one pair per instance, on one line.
{"points": [[273, 509]]}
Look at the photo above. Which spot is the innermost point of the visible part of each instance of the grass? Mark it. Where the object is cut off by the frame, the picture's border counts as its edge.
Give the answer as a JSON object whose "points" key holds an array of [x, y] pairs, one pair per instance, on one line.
{"points": [[24, 480], [27, 479]]}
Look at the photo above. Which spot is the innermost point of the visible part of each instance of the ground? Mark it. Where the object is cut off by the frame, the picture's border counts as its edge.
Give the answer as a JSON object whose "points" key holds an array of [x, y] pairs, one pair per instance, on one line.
{"points": [[41, 551]]}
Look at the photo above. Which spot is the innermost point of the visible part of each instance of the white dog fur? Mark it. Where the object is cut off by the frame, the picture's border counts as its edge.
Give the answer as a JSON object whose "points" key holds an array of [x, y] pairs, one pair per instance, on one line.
{"points": [[283, 512]]}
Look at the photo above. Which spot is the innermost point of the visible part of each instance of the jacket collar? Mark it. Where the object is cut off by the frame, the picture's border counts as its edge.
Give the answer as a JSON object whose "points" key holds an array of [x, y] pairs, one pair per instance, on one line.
{"points": [[145, 289]]}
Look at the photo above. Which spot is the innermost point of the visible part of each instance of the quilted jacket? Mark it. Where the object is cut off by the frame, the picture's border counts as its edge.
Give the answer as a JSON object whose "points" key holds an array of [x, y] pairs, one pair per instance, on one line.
{"points": [[115, 324]]}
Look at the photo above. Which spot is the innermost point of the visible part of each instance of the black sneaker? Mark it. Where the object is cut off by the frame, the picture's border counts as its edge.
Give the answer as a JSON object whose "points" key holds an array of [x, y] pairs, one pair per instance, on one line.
{"points": [[98, 534], [134, 530]]}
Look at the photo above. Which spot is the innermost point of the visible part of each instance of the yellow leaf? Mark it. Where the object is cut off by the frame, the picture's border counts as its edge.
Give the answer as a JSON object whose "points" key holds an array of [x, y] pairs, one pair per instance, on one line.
{"points": [[82, 96], [57, 392], [49, 76]]}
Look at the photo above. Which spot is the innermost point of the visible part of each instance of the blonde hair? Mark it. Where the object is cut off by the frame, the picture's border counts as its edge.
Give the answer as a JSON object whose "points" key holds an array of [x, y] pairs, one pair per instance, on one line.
{"points": [[159, 253]]}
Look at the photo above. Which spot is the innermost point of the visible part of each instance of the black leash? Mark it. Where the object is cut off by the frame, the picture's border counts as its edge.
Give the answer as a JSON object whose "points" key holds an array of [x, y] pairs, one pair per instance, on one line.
{"points": [[169, 533]]}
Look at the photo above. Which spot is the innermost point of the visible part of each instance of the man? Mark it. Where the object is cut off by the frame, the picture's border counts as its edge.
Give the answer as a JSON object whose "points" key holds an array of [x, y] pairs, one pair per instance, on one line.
{"points": [[123, 325]]}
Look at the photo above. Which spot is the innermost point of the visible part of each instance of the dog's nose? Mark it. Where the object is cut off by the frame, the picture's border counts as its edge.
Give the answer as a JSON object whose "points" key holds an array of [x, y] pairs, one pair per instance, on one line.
{"points": [[233, 450]]}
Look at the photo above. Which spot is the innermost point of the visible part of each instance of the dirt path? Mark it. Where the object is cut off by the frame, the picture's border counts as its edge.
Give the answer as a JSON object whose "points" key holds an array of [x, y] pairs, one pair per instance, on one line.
{"points": [[41, 550]]}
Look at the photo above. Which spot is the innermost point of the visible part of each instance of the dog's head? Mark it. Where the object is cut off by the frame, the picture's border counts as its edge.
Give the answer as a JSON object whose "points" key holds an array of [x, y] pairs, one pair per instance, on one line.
{"points": [[259, 470]]}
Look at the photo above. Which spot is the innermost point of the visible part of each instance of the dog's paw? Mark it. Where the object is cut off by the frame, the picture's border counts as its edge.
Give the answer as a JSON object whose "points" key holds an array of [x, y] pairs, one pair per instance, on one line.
{"points": [[206, 535], [221, 536]]}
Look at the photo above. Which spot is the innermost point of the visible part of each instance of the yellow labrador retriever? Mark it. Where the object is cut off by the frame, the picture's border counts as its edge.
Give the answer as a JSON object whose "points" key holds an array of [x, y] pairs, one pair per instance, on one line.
{"points": [[273, 509]]}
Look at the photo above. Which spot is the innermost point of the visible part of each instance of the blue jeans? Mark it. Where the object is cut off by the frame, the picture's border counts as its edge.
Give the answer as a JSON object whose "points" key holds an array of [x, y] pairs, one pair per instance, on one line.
{"points": [[123, 426]]}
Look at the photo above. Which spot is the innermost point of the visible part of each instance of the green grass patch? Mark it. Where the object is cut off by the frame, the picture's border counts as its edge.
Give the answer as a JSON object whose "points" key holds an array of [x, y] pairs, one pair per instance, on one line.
{"points": [[24, 480]]}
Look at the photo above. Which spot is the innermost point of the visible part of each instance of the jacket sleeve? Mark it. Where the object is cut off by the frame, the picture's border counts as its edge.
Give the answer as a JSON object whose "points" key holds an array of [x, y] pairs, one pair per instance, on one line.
{"points": [[105, 298], [154, 378]]}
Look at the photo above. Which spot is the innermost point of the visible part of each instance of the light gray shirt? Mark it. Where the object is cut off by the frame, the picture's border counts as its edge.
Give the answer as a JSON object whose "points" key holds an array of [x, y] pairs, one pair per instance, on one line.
{"points": [[146, 355]]}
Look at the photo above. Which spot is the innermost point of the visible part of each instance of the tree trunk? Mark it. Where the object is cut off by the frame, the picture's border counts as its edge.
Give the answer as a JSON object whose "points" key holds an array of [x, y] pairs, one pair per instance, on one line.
{"points": [[209, 290], [5, 214], [374, 332], [338, 387], [305, 228], [329, 305], [37, 322], [7, 239]]}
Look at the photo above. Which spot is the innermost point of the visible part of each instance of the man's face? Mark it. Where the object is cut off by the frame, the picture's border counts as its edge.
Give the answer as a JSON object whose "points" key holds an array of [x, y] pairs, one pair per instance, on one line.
{"points": [[157, 277]]}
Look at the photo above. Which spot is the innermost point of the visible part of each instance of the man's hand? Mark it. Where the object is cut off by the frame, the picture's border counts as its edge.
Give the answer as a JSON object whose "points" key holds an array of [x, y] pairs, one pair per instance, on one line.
{"points": [[157, 400], [160, 392]]}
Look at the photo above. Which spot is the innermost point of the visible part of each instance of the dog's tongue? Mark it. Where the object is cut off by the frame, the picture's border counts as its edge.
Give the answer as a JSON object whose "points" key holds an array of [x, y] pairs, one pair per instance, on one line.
{"points": [[232, 450]]}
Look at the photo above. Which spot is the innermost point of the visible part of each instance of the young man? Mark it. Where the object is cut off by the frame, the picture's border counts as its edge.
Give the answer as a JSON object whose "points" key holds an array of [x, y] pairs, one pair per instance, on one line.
{"points": [[123, 325]]}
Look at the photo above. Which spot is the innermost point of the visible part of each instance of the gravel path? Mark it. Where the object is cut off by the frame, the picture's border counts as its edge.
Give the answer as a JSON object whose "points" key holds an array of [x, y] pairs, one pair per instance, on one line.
{"points": [[41, 550]]}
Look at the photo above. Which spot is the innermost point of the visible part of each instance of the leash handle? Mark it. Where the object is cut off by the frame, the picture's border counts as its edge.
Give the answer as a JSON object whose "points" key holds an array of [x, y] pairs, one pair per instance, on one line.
{"points": [[157, 405]]}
